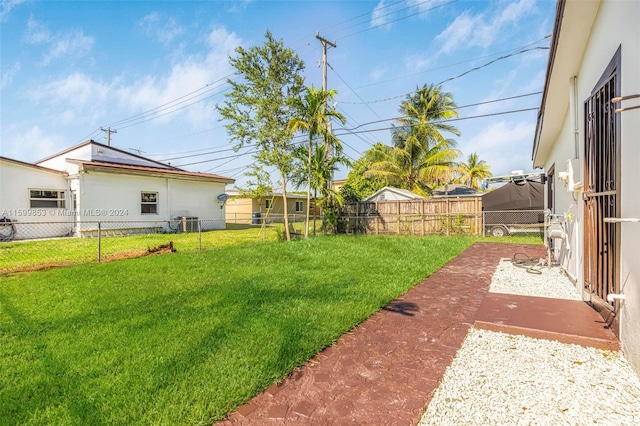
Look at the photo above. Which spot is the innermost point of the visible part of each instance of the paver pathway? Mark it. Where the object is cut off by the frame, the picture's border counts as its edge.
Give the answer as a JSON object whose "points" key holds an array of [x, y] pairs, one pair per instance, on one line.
{"points": [[385, 370]]}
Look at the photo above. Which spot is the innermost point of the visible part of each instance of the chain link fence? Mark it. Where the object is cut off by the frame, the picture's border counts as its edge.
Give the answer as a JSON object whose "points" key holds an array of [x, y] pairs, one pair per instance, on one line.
{"points": [[36, 245], [512, 222]]}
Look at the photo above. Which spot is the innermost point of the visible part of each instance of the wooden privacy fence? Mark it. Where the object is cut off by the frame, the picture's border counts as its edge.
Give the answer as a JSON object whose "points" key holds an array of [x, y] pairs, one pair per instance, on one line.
{"points": [[444, 216]]}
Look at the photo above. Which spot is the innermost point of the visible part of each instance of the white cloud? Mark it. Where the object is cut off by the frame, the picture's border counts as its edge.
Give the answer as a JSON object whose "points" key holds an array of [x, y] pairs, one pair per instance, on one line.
{"points": [[236, 6], [458, 32], [8, 75], [77, 89], [378, 73], [62, 44], [7, 5], [482, 29], [416, 63], [166, 30], [81, 97], [37, 33], [504, 145], [74, 44], [30, 144], [378, 18]]}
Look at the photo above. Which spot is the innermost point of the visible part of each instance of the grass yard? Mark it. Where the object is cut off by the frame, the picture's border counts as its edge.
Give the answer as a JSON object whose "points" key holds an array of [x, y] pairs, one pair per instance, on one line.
{"points": [[185, 338], [21, 255]]}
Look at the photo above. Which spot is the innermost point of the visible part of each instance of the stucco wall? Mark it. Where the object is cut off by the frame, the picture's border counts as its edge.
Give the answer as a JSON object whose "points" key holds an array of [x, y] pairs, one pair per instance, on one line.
{"points": [[117, 197], [615, 25], [15, 183]]}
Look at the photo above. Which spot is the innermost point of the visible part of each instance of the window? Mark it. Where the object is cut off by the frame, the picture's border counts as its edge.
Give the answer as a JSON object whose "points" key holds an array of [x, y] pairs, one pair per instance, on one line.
{"points": [[46, 199], [267, 204], [149, 203], [299, 206]]}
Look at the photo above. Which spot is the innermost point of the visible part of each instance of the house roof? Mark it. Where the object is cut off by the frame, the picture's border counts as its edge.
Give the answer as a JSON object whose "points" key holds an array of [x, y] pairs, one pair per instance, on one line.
{"points": [[570, 36], [455, 190], [399, 194], [128, 154], [149, 171], [33, 166]]}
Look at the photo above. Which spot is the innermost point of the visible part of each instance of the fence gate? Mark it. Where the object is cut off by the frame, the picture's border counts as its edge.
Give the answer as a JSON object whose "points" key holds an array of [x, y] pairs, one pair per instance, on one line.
{"points": [[601, 194]]}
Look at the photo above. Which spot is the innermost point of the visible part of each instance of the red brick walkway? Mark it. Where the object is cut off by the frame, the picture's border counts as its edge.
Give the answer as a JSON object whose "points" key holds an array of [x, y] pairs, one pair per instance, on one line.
{"points": [[385, 371]]}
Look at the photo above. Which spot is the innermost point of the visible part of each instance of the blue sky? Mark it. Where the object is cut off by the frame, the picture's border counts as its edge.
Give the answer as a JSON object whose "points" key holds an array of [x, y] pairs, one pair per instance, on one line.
{"points": [[154, 71]]}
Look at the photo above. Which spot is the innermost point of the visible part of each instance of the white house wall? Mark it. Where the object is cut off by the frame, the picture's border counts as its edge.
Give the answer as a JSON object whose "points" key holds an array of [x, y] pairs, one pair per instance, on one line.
{"points": [[617, 24], [197, 199], [117, 197], [16, 181], [60, 162], [568, 204]]}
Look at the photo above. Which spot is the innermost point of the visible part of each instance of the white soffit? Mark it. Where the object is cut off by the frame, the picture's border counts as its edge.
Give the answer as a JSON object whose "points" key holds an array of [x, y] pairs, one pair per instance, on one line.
{"points": [[575, 28]]}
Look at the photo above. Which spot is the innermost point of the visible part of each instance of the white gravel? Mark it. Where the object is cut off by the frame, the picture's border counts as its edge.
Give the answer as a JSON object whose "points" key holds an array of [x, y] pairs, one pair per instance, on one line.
{"points": [[503, 379], [532, 280]]}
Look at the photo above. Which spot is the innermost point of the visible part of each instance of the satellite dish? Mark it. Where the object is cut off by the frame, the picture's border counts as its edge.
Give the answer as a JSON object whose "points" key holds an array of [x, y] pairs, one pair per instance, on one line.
{"points": [[223, 197]]}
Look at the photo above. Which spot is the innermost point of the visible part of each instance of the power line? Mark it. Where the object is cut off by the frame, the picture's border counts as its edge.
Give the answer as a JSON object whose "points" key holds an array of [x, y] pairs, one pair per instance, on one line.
{"points": [[399, 19], [174, 102], [350, 132], [451, 78], [459, 107]]}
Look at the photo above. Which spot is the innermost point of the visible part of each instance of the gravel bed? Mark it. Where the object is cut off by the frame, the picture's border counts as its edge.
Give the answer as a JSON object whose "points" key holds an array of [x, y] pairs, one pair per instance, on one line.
{"points": [[503, 379], [532, 280]]}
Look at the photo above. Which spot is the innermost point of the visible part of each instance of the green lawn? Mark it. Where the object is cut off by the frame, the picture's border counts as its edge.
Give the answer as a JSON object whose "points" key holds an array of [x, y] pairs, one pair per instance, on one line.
{"points": [[185, 338], [21, 255]]}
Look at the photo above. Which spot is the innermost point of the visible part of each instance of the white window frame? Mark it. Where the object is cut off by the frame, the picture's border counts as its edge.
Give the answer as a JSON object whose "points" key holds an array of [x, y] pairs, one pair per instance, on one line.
{"points": [[148, 202], [301, 204], [46, 198], [267, 204]]}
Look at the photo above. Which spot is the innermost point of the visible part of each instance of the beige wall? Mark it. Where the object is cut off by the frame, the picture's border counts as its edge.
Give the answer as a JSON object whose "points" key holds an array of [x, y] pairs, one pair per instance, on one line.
{"points": [[240, 209]]}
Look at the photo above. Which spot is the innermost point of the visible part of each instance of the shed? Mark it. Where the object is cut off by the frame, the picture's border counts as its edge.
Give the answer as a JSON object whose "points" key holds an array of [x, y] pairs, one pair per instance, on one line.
{"points": [[389, 193]]}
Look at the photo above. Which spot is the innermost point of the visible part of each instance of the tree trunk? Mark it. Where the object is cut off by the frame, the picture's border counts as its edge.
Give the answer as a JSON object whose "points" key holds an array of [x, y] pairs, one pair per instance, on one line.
{"points": [[306, 219], [286, 208], [315, 208]]}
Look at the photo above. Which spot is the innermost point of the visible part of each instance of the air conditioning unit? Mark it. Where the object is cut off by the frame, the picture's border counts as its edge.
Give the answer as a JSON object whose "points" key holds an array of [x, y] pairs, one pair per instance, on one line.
{"points": [[188, 224]]}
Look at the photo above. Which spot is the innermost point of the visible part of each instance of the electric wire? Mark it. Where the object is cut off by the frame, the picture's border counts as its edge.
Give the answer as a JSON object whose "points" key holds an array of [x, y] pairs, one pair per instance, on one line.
{"points": [[350, 132]]}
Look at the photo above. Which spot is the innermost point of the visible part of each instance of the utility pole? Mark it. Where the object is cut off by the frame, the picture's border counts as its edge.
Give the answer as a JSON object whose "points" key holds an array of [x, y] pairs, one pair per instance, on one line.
{"points": [[108, 131], [325, 42]]}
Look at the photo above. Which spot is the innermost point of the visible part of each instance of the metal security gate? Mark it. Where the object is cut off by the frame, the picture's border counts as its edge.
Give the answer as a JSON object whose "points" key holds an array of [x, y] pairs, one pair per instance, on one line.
{"points": [[601, 193]]}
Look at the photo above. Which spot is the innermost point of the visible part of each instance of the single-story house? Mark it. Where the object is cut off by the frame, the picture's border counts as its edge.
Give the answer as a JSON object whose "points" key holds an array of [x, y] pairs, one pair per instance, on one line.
{"points": [[389, 193], [586, 140], [455, 191], [92, 182], [244, 209]]}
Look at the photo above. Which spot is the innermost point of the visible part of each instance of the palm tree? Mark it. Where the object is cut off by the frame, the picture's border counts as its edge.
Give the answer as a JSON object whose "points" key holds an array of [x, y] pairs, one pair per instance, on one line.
{"points": [[473, 171], [322, 168], [313, 119], [422, 157]]}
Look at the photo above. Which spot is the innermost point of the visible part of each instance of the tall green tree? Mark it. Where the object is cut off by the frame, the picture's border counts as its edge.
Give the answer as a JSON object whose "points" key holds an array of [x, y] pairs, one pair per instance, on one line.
{"points": [[261, 103], [357, 186], [421, 158], [473, 171], [313, 118]]}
